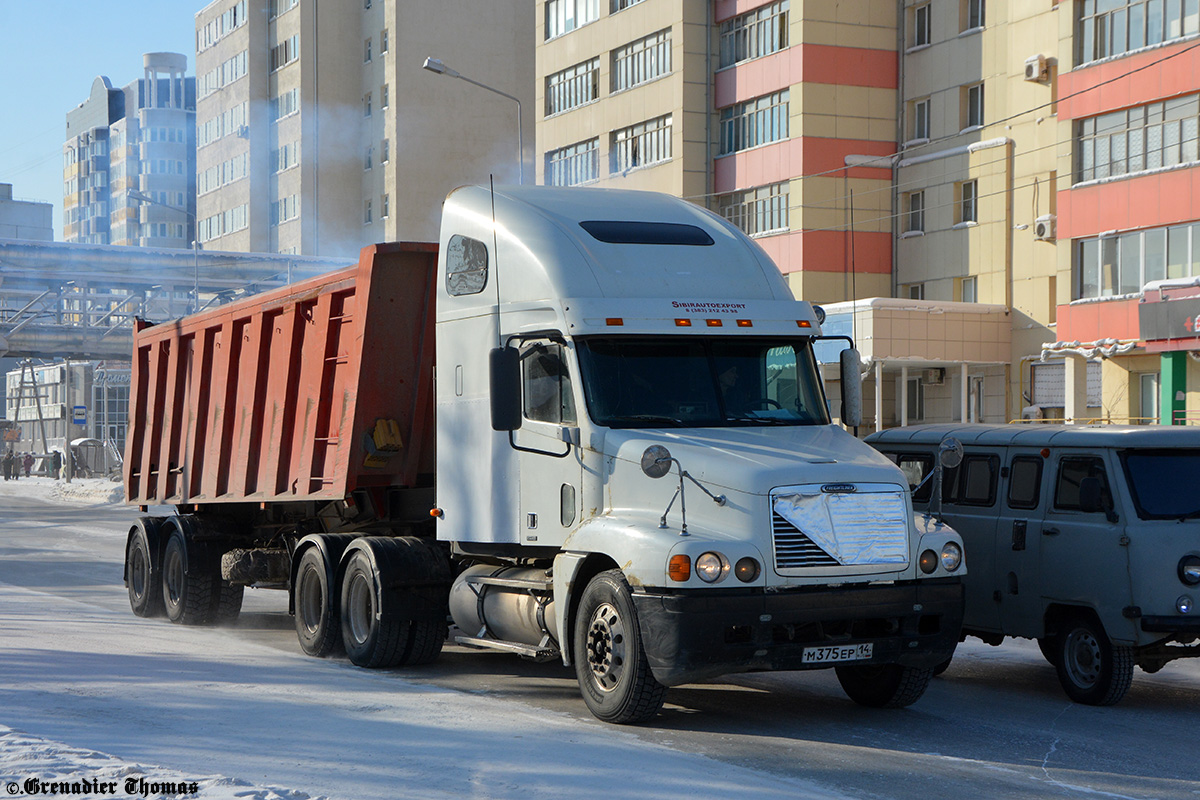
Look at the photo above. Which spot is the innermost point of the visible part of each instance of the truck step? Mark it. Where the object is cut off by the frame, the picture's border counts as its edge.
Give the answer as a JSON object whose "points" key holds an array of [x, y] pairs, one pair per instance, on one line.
{"points": [[512, 583], [535, 652]]}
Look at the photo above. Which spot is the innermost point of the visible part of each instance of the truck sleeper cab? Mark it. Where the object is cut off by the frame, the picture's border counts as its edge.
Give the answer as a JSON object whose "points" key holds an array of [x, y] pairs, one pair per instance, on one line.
{"points": [[1083, 538], [636, 471]]}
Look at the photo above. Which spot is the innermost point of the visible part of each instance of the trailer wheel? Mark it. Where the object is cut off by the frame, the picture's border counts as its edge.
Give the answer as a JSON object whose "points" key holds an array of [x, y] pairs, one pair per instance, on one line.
{"points": [[189, 581], [1091, 669], [883, 685], [372, 639], [610, 661], [142, 571], [318, 623]]}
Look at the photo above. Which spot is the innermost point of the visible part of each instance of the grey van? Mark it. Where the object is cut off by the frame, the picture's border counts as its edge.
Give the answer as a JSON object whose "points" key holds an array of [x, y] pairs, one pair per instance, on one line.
{"points": [[1084, 538]]}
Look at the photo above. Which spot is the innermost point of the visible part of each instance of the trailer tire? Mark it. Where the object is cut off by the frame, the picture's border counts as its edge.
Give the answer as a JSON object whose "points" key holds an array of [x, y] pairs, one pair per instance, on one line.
{"points": [[372, 639], [1092, 670], [142, 567], [610, 660], [190, 580], [883, 685], [318, 621]]}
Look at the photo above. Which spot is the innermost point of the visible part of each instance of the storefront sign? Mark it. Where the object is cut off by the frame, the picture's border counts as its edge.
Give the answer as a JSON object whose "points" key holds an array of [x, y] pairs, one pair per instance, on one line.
{"points": [[1170, 319]]}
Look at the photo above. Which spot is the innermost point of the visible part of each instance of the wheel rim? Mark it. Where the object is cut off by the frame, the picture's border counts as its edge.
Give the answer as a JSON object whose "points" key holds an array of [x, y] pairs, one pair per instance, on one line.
{"points": [[606, 647], [1083, 658], [312, 600], [138, 572], [173, 576], [361, 609]]}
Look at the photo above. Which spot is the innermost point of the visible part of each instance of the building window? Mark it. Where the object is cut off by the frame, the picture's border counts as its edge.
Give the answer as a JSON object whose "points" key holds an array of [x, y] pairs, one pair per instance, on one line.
{"points": [[578, 163], [385, 151], [641, 61], [916, 400], [1110, 28], [968, 290], [1123, 264], [754, 34], [920, 119], [367, 51], [384, 96], [367, 212], [921, 27], [367, 157], [973, 16], [285, 52], [973, 110], [564, 16], [385, 206], [1148, 410], [916, 212], [916, 291], [755, 122], [641, 145], [277, 7], [968, 208], [621, 5], [286, 157], [383, 41], [367, 104], [757, 211], [285, 104], [573, 87], [285, 209], [1138, 139]]}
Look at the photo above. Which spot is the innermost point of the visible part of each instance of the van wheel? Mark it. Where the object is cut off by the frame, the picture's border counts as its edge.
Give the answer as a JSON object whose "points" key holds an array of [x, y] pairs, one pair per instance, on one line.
{"points": [[610, 661], [1091, 669], [883, 685]]}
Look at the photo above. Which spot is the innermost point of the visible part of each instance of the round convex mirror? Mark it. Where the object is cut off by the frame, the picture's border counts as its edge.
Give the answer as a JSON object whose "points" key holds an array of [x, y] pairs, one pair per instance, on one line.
{"points": [[950, 452], [656, 461]]}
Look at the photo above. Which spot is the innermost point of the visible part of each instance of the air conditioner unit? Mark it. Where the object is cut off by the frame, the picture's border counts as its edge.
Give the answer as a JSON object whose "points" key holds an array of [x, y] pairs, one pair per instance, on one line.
{"points": [[1036, 68], [933, 377], [1031, 412], [1043, 228]]}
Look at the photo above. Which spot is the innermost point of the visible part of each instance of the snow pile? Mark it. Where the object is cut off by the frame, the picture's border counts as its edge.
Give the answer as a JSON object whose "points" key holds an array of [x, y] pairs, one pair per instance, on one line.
{"points": [[79, 490]]}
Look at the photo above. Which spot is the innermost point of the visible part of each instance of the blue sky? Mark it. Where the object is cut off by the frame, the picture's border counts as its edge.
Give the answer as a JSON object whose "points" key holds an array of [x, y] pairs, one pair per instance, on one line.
{"points": [[50, 52]]}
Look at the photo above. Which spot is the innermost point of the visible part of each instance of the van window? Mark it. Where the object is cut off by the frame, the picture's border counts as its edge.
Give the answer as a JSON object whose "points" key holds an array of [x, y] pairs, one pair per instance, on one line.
{"points": [[1073, 470], [915, 467], [973, 483], [1025, 482], [1163, 482]]}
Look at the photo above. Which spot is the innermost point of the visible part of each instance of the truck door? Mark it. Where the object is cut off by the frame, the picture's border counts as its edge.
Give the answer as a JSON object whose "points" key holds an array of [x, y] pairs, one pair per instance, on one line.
{"points": [[1085, 557], [551, 468], [1019, 544]]}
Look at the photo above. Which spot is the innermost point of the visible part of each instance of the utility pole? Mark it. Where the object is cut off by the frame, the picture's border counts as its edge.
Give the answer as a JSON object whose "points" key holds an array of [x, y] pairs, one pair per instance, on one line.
{"points": [[68, 454]]}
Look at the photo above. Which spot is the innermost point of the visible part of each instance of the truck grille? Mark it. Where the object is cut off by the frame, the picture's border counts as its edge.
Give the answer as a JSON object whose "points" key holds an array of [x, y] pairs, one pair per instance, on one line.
{"points": [[794, 550]]}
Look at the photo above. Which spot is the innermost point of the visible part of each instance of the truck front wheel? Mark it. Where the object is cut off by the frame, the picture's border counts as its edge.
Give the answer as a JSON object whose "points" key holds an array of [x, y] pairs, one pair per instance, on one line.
{"points": [[883, 685], [318, 626], [1091, 669], [610, 662]]}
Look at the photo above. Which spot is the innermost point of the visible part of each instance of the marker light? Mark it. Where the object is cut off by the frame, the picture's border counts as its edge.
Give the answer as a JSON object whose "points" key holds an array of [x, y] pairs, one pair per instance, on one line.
{"points": [[679, 568], [683, 323], [928, 562], [803, 323], [745, 323], [713, 323], [614, 321], [746, 569]]}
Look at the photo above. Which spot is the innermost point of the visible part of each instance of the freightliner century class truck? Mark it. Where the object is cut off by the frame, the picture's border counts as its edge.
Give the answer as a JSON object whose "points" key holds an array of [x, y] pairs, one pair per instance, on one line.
{"points": [[624, 460]]}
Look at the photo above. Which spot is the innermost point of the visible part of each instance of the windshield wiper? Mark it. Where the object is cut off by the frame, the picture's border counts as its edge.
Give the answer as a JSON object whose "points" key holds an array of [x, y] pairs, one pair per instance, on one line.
{"points": [[678, 423], [762, 420]]}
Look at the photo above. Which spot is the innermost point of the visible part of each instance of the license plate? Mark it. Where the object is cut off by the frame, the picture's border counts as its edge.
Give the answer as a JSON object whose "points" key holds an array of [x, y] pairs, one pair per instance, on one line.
{"points": [[830, 655]]}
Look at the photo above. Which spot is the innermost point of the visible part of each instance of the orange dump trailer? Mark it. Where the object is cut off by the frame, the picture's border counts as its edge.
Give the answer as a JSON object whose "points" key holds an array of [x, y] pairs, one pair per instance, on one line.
{"points": [[312, 392]]}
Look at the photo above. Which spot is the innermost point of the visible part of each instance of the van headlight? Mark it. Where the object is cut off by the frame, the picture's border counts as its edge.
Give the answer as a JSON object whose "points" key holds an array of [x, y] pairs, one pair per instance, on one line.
{"points": [[1189, 570], [951, 556], [711, 567]]}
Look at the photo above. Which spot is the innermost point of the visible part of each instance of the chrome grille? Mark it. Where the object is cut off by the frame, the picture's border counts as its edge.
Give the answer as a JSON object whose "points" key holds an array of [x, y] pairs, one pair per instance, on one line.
{"points": [[794, 550]]}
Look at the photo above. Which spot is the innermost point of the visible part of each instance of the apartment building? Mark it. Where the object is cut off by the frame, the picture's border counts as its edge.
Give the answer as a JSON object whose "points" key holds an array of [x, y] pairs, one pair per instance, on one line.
{"points": [[140, 139], [24, 219], [318, 131]]}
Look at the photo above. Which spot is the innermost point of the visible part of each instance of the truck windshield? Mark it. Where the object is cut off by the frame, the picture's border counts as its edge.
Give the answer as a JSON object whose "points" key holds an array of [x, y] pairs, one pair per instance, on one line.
{"points": [[1164, 482], [632, 382]]}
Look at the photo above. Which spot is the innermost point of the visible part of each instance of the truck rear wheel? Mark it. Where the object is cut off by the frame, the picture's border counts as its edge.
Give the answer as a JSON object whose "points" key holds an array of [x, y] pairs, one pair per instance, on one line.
{"points": [[318, 623], [883, 685], [372, 638], [610, 661], [142, 569], [190, 581], [1091, 669]]}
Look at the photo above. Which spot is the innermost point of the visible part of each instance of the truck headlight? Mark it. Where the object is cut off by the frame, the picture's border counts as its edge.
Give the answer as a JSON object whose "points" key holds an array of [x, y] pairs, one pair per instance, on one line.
{"points": [[928, 562], [1184, 604], [951, 556], [711, 567], [1189, 570], [746, 569]]}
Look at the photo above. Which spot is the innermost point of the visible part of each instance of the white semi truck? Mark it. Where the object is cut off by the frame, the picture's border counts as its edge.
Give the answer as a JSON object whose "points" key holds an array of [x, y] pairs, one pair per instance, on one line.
{"points": [[626, 461]]}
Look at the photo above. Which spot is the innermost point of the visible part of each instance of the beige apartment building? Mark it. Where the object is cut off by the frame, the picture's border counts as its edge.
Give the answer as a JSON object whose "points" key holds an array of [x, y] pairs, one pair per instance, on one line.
{"points": [[318, 131]]}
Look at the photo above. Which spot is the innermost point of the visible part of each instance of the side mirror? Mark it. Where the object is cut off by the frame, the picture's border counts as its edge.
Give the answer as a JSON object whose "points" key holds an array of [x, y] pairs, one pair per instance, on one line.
{"points": [[950, 452], [851, 377], [504, 387], [1089, 495]]}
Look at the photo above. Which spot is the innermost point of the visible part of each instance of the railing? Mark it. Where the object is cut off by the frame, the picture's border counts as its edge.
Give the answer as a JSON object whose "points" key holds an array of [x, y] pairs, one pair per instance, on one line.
{"points": [[1179, 418]]}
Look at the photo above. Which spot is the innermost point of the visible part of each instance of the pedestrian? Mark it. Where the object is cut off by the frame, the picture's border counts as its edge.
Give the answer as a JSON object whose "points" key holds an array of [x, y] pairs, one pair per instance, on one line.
{"points": [[7, 462], [28, 462], [56, 463]]}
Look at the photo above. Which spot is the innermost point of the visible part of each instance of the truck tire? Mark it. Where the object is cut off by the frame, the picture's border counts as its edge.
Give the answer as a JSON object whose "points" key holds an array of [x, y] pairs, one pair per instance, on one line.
{"points": [[883, 685], [610, 661], [1091, 669], [372, 639], [142, 568], [190, 580], [318, 621], [229, 602]]}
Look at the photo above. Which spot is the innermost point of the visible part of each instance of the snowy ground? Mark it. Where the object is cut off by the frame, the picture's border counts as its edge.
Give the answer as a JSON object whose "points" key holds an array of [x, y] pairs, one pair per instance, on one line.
{"points": [[88, 692]]}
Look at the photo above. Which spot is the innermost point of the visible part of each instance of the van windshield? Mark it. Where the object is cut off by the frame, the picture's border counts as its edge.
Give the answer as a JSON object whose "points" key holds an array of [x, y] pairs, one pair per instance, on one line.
{"points": [[633, 382], [1163, 482]]}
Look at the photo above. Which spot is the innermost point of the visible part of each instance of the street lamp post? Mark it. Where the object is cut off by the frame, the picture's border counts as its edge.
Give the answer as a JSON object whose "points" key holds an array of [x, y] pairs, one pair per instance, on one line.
{"points": [[435, 65], [141, 197]]}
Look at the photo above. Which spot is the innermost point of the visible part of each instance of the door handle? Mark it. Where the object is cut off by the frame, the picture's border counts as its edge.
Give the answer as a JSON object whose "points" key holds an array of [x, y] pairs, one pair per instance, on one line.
{"points": [[1049, 531]]}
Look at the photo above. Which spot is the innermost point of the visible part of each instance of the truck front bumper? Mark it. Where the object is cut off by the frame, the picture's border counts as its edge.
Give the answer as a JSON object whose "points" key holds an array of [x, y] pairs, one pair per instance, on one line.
{"points": [[700, 635]]}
